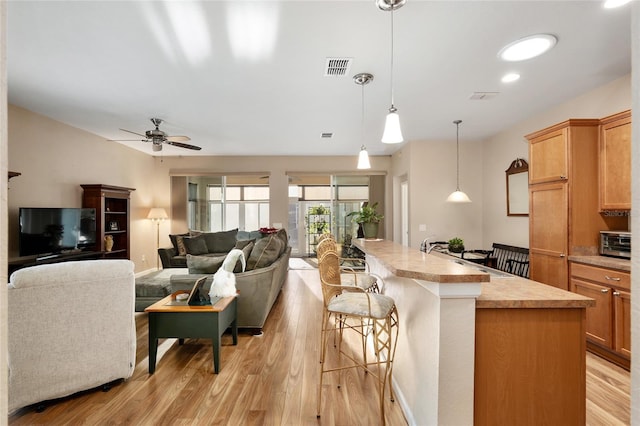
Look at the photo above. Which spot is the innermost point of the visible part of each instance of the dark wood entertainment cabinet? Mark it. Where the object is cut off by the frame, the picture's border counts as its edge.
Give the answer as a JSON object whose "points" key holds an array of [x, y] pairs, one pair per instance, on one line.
{"points": [[112, 204], [16, 263]]}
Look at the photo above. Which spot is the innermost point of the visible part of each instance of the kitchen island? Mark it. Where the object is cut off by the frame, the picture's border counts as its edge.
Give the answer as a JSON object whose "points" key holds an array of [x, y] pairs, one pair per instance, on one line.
{"points": [[481, 348]]}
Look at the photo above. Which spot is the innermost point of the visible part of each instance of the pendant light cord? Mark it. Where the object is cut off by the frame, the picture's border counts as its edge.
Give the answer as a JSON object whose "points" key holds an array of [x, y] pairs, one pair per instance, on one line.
{"points": [[391, 71], [457, 157], [362, 118]]}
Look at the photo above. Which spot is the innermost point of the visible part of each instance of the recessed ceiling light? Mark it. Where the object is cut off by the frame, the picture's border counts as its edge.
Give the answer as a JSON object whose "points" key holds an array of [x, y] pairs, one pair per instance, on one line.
{"points": [[510, 78], [610, 4], [527, 48]]}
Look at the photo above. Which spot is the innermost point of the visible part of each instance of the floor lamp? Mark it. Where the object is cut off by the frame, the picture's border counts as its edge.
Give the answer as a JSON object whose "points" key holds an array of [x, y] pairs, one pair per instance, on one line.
{"points": [[157, 214]]}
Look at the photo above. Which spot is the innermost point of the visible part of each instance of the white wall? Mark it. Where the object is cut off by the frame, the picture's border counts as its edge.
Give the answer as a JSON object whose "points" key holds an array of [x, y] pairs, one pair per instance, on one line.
{"points": [[499, 151]]}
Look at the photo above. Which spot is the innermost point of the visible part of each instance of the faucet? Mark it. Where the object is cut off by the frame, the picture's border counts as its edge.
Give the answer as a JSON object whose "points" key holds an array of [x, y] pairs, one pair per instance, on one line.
{"points": [[432, 246], [426, 247]]}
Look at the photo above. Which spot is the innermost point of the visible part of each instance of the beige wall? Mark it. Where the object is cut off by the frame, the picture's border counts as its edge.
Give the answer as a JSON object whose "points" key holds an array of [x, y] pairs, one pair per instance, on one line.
{"points": [[430, 168], [499, 151], [55, 159]]}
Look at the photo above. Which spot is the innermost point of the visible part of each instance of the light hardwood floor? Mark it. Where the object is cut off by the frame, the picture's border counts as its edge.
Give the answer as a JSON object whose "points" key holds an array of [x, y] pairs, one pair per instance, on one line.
{"points": [[268, 380]]}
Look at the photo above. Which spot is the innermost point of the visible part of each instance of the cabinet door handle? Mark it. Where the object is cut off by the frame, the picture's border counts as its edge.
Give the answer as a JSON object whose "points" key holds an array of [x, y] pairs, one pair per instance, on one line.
{"points": [[562, 255], [616, 293], [563, 177], [604, 290], [611, 278]]}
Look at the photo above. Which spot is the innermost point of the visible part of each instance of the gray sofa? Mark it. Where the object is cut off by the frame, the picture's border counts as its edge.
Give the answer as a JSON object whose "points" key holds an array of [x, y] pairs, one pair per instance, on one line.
{"points": [[267, 261], [210, 244], [258, 289]]}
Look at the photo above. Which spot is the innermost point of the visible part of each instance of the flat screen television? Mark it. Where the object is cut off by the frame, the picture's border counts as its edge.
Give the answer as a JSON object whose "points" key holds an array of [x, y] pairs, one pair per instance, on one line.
{"points": [[56, 230]]}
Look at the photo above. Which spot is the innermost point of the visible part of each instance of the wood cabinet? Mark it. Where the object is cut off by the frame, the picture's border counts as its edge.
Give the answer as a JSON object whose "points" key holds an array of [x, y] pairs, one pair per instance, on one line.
{"points": [[547, 221], [615, 162], [609, 322], [112, 204], [564, 217]]}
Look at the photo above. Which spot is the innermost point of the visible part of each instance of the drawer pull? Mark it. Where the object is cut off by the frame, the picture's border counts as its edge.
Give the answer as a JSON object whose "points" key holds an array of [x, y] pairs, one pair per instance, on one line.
{"points": [[612, 278], [604, 290], [616, 293], [563, 177], [562, 255]]}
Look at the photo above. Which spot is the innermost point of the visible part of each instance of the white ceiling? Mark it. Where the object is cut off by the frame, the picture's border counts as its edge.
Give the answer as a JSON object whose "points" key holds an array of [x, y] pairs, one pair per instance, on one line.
{"points": [[247, 78]]}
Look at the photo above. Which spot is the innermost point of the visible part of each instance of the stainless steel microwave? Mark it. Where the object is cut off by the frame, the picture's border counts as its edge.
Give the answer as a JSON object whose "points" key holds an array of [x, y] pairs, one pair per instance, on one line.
{"points": [[615, 243]]}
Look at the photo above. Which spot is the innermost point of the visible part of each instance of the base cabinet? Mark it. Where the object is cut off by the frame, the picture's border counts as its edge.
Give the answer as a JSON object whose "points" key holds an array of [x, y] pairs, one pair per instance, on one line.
{"points": [[608, 326]]}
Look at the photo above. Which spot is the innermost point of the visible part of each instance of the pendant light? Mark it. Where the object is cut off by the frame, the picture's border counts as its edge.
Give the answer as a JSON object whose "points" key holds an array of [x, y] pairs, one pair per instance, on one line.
{"points": [[392, 131], [458, 196], [363, 158]]}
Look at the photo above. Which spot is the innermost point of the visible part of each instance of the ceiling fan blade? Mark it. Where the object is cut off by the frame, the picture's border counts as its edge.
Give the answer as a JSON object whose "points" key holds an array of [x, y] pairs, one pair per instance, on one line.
{"points": [[127, 140], [178, 138], [183, 145], [129, 131]]}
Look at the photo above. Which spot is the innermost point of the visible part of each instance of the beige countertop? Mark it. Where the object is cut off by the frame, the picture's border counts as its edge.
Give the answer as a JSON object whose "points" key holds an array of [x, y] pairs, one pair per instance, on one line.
{"points": [[497, 292], [408, 262], [603, 261]]}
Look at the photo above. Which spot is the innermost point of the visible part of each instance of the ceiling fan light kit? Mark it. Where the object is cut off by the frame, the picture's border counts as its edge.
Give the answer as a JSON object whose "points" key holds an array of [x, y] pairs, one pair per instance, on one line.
{"points": [[158, 137]]}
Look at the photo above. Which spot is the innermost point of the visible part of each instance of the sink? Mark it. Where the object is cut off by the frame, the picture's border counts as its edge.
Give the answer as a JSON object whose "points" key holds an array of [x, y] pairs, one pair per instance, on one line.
{"points": [[493, 272]]}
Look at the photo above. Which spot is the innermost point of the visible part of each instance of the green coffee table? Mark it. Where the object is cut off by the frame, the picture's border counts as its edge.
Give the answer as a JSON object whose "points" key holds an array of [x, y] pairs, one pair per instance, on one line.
{"points": [[171, 319]]}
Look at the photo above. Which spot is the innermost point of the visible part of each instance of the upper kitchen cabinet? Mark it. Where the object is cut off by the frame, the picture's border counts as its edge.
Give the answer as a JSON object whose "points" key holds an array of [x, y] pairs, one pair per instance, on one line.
{"points": [[615, 162], [564, 218]]}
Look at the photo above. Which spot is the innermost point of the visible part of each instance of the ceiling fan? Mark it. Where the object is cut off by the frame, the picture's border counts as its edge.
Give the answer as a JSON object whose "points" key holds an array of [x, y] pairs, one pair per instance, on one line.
{"points": [[157, 137]]}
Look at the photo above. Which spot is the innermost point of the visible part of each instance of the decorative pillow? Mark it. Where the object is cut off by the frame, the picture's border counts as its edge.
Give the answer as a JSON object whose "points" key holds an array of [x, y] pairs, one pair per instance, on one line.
{"points": [[173, 239], [220, 242], [246, 250], [195, 245], [182, 250], [240, 244], [204, 264], [265, 251], [282, 234]]}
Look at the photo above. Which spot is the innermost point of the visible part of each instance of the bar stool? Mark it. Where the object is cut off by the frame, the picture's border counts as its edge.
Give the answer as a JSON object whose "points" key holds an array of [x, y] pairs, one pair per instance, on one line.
{"points": [[372, 316], [349, 276]]}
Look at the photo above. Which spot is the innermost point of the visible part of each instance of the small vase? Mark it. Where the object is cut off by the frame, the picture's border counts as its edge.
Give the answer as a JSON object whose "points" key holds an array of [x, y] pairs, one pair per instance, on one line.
{"points": [[108, 242]]}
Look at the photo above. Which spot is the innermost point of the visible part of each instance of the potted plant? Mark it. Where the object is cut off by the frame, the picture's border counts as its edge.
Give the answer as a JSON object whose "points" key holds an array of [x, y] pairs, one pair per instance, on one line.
{"points": [[456, 245], [369, 218]]}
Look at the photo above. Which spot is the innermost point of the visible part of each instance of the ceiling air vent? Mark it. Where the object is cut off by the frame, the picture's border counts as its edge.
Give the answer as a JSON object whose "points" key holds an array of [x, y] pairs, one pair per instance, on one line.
{"points": [[337, 67], [326, 135], [483, 96]]}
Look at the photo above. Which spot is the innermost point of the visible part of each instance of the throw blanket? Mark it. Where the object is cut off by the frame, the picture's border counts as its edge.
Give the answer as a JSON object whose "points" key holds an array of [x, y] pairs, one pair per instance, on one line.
{"points": [[224, 281]]}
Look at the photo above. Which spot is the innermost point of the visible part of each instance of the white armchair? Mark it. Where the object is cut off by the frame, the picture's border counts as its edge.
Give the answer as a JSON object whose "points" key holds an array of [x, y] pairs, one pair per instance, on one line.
{"points": [[71, 328]]}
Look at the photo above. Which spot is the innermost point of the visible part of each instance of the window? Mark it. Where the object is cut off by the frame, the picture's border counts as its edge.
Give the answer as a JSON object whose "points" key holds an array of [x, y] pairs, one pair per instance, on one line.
{"points": [[232, 202]]}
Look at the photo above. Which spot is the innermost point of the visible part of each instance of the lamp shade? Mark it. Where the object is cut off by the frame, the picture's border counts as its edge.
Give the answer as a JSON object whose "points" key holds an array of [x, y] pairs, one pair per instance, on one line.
{"points": [[392, 132], [458, 197], [363, 159], [157, 213]]}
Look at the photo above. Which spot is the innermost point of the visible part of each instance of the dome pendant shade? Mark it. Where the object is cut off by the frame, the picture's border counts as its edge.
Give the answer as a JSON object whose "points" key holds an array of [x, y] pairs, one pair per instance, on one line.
{"points": [[392, 131], [458, 196], [363, 159]]}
